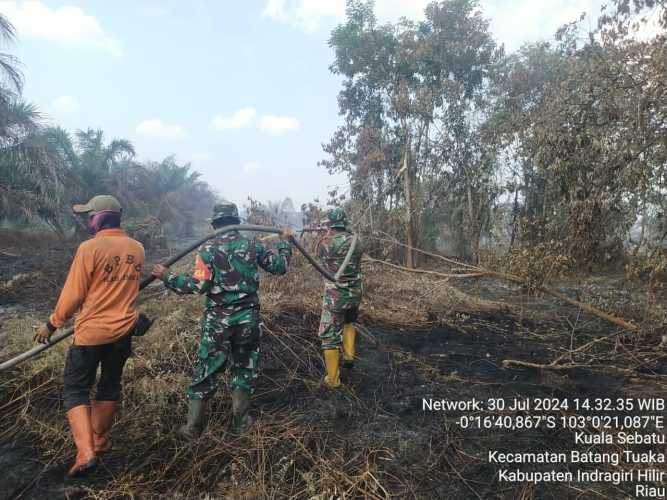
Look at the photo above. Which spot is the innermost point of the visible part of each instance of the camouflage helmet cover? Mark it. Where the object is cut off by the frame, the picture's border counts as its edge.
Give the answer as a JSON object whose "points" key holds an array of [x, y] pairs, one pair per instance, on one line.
{"points": [[225, 210], [337, 218]]}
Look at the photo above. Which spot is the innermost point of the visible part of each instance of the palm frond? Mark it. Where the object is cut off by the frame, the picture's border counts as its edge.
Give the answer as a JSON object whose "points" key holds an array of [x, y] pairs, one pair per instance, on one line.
{"points": [[7, 30], [18, 120], [90, 140], [119, 148], [9, 65], [10, 72], [61, 141]]}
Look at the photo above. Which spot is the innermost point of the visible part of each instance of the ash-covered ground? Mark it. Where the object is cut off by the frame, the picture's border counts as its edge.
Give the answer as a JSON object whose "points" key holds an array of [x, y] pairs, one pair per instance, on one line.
{"points": [[372, 439]]}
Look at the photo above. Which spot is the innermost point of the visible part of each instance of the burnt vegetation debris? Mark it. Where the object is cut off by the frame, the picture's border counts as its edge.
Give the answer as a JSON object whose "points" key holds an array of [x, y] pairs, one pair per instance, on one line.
{"points": [[372, 439]]}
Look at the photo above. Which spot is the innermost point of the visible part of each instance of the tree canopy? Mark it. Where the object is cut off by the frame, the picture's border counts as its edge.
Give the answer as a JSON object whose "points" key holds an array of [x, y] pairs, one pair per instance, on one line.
{"points": [[449, 142]]}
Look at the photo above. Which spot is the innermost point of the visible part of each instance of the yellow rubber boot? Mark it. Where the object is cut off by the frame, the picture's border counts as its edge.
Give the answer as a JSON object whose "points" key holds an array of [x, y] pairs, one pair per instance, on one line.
{"points": [[349, 335], [332, 362]]}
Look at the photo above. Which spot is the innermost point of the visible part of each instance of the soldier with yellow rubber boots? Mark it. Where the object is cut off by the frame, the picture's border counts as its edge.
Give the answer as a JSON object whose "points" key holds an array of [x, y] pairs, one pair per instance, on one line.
{"points": [[341, 300]]}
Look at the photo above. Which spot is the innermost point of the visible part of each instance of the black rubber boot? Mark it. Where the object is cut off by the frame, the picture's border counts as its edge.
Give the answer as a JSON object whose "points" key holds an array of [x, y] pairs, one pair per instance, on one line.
{"points": [[241, 418], [193, 427]]}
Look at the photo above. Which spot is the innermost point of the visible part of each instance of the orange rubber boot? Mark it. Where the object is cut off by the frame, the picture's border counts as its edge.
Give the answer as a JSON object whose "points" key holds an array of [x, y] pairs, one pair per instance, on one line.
{"points": [[102, 413], [82, 433]]}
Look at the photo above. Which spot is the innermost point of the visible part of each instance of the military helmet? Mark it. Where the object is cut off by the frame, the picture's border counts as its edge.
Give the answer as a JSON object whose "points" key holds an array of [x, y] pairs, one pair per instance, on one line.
{"points": [[99, 203], [225, 210], [337, 218]]}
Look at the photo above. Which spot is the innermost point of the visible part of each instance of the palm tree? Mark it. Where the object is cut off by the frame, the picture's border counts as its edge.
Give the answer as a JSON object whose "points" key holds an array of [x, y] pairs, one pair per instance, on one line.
{"points": [[34, 174], [11, 84], [97, 160], [33, 171], [177, 195], [91, 145]]}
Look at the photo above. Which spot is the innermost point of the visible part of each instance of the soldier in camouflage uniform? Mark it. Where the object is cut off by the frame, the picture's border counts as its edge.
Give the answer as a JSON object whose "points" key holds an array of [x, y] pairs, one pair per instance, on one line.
{"points": [[341, 300], [226, 270]]}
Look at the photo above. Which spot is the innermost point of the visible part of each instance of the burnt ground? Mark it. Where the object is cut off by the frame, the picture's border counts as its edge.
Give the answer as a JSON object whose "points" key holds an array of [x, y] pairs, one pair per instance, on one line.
{"points": [[372, 439], [381, 408], [28, 279]]}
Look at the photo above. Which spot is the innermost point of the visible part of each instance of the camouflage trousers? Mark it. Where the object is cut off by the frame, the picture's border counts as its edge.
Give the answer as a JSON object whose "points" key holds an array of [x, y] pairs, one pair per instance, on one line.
{"points": [[339, 306], [227, 340]]}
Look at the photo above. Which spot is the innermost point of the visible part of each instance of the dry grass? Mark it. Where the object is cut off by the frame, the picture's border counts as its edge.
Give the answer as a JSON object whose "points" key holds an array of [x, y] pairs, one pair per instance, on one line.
{"points": [[287, 454], [307, 443]]}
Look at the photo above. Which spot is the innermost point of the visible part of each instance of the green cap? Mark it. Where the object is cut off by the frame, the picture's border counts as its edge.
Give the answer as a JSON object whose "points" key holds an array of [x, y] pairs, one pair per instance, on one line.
{"points": [[222, 210], [337, 218], [99, 203]]}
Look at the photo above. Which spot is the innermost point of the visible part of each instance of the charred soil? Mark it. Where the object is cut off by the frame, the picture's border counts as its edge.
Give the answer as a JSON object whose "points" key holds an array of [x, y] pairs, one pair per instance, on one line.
{"points": [[374, 438]]}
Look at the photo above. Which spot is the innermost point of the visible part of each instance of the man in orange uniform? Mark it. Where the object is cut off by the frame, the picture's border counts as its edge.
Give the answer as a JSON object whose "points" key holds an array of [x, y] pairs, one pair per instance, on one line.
{"points": [[101, 286]]}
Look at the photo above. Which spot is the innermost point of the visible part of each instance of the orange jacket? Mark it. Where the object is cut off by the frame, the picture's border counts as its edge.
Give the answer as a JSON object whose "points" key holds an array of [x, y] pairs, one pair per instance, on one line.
{"points": [[102, 285]]}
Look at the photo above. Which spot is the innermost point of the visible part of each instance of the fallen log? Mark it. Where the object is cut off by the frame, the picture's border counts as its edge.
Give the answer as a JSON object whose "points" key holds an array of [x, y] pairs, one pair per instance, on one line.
{"points": [[583, 348], [453, 297], [430, 254], [626, 325], [423, 271], [481, 272]]}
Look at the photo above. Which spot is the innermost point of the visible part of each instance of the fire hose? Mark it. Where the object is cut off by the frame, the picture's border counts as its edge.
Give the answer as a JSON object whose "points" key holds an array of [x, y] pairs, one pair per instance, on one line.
{"points": [[31, 353]]}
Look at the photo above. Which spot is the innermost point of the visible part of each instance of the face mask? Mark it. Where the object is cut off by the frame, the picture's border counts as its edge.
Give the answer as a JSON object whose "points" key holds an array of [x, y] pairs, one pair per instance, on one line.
{"points": [[103, 220]]}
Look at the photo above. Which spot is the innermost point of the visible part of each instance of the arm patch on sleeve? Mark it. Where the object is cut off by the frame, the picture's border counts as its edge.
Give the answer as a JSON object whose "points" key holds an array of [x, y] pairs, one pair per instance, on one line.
{"points": [[202, 271]]}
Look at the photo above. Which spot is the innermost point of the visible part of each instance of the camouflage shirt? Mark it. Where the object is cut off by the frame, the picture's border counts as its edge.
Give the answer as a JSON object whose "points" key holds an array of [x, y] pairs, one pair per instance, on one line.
{"points": [[332, 251], [226, 270]]}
